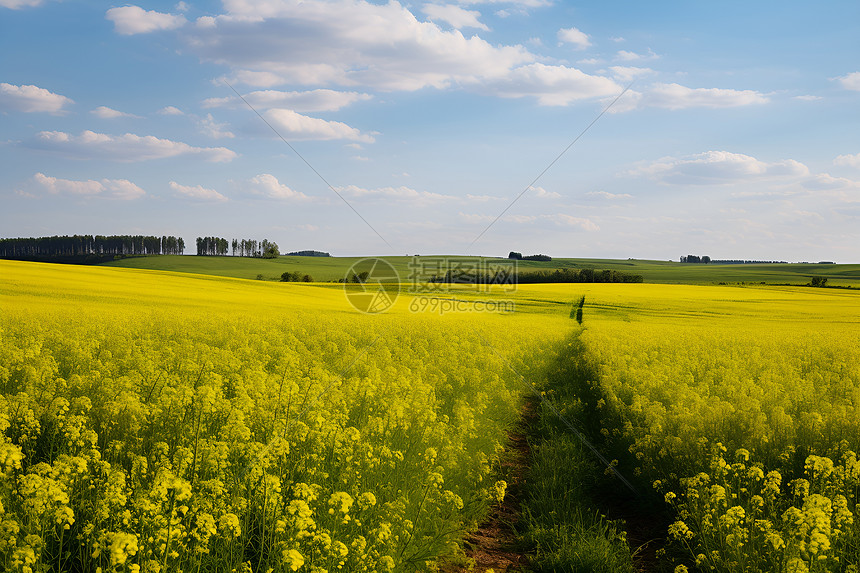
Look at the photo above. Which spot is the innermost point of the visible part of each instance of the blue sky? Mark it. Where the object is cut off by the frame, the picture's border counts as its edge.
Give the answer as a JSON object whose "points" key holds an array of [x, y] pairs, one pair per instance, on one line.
{"points": [[737, 139]]}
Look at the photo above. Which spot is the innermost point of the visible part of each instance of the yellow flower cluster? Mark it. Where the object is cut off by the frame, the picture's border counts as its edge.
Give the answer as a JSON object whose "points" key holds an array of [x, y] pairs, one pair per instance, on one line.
{"points": [[742, 405], [244, 426]]}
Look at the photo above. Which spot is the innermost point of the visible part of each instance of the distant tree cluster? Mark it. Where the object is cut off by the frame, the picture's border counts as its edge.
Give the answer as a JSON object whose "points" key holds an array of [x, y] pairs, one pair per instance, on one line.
{"points": [[296, 277], [578, 276], [308, 254], [82, 246], [355, 278], [556, 276], [696, 259], [743, 262], [172, 246], [212, 246], [519, 257], [265, 249], [473, 277]]}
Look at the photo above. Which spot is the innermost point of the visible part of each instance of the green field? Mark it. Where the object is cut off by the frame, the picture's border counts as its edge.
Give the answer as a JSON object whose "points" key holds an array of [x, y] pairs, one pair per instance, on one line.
{"points": [[666, 272]]}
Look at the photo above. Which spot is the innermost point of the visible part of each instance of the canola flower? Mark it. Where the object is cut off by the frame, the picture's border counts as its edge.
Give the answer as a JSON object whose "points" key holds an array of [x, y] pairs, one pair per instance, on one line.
{"points": [[154, 422], [742, 407]]}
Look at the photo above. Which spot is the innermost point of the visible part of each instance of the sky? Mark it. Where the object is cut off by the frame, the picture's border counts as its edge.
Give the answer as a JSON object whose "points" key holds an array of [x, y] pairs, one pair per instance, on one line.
{"points": [[442, 127]]}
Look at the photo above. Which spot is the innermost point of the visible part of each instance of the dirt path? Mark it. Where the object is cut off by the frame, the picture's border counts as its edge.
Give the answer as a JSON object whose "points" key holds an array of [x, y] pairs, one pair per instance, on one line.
{"points": [[494, 544]]}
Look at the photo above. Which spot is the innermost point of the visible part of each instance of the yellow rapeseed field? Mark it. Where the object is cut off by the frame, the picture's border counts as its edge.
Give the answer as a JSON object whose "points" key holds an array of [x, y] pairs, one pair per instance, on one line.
{"points": [[742, 407], [163, 422], [154, 421]]}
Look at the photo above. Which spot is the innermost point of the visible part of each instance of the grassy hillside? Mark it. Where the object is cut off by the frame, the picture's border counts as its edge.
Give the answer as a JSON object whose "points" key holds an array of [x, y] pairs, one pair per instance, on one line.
{"points": [[333, 268]]}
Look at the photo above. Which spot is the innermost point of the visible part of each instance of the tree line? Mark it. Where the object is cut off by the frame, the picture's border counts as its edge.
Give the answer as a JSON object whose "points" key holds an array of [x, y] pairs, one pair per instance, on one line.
{"points": [[519, 257], [219, 246], [82, 246], [578, 276], [96, 248], [566, 275], [696, 259]]}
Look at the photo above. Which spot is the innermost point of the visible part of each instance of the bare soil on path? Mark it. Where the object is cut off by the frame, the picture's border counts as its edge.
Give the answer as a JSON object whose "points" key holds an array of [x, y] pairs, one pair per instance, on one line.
{"points": [[494, 545]]}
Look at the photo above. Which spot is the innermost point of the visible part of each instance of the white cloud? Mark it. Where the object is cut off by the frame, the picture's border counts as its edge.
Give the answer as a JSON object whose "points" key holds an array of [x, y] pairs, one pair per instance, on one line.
{"points": [[105, 112], [30, 99], [617, 39], [520, 4], [676, 96], [568, 220], [170, 110], [590, 61], [627, 56], [719, 168], [850, 160], [128, 147], [609, 196], [574, 36], [544, 194], [110, 188], [208, 126], [551, 85], [808, 98], [401, 193], [181, 7], [18, 4], [380, 46], [294, 125], [129, 20], [850, 81], [476, 218], [377, 46], [312, 100], [197, 192], [629, 73], [267, 185], [259, 79], [826, 182], [454, 15], [482, 198], [346, 42]]}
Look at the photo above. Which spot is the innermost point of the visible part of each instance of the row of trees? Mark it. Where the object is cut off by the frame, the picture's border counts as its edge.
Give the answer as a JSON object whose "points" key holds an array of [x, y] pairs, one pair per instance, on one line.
{"points": [[212, 246], [556, 276], [308, 254], [296, 277], [219, 246], [253, 248], [519, 257], [743, 262], [578, 276], [696, 259], [81, 246]]}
